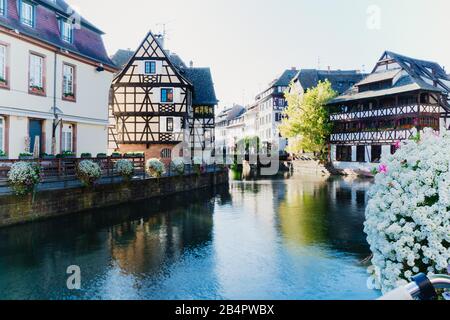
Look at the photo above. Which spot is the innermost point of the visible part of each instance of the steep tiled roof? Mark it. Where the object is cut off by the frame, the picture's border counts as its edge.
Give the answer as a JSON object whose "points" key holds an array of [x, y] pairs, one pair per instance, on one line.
{"points": [[285, 79], [87, 42], [341, 80], [121, 58], [410, 75], [204, 93]]}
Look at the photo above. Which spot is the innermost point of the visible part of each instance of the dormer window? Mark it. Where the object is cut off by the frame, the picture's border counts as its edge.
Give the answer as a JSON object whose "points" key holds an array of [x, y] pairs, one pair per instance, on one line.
{"points": [[66, 31], [2, 7], [27, 16]]}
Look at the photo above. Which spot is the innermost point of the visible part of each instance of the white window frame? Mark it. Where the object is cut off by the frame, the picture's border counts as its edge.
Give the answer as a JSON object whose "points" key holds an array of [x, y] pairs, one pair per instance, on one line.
{"points": [[68, 79], [3, 7], [36, 71], [2, 134], [27, 14], [3, 61], [67, 138], [66, 31]]}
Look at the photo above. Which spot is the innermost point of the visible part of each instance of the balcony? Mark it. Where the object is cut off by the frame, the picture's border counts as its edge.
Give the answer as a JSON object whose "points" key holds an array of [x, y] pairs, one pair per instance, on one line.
{"points": [[386, 112], [388, 136]]}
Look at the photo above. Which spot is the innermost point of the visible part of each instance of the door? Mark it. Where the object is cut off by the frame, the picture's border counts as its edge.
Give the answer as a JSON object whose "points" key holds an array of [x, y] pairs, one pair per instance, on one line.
{"points": [[35, 133]]}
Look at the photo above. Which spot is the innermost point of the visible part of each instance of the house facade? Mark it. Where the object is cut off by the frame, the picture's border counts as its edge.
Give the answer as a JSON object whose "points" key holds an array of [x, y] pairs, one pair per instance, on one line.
{"points": [[230, 128], [401, 95], [160, 106], [270, 105], [54, 80]]}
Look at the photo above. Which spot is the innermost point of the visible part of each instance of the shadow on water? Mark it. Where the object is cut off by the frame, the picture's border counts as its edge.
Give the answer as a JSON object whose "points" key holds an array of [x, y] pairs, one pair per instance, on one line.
{"points": [[138, 238]]}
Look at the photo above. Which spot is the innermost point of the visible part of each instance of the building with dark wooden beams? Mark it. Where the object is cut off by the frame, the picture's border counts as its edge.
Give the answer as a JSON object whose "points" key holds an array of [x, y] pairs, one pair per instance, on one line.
{"points": [[158, 103], [399, 95]]}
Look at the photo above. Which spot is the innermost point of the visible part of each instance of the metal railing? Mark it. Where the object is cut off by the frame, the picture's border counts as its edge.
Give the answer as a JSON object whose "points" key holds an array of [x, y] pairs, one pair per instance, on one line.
{"points": [[65, 169]]}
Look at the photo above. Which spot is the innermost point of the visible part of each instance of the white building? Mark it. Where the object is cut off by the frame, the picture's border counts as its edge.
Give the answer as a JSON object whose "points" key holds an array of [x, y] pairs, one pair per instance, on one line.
{"points": [[230, 128], [55, 77], [270, 105]]}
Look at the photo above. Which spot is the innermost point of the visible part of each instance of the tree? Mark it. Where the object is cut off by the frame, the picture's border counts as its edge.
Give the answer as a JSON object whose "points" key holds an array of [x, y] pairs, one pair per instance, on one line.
{"points": [[307, 124]]}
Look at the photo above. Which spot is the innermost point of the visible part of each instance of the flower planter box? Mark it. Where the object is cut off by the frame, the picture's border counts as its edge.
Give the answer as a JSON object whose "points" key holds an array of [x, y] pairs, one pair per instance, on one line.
{"points": [[36, 90], [26, 158], [48, 157]]}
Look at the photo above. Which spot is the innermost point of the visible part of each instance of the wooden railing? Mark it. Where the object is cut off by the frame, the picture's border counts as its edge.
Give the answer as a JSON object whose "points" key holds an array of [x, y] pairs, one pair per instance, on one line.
{"points": [[65, 169]]}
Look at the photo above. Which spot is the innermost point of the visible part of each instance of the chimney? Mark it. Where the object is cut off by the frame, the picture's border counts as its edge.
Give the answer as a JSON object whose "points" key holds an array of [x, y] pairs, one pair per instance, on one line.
{"points": [[329, 69], [160, 39], [294, 68], [191, 64]]}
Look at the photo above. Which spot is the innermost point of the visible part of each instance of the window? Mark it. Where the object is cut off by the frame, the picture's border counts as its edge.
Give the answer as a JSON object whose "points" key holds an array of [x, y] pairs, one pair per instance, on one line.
{"points": [[2, 134], [66, 31], [169, 124], [37, 74], [150, 67], [361, 154], [27, 13], [3, 63], [166, 153], [68, 82], [166, 95], [67, 138], [344, 153], [376, 154], [2, 7]]}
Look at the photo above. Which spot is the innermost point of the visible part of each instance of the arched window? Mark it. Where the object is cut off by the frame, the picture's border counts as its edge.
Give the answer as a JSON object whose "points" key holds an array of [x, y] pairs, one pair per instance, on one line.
{"points": [[166, 153]]}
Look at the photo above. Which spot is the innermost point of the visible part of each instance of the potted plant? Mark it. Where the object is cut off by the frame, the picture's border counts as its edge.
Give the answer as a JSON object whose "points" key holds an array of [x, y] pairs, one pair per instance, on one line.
{"points": [[23, 177], [47, 156], [125, 169], [86, 155], [69, 96], [26, 156], [3, 155], [88, 172], [116, 155], [36, 89], [177, 166], [3, 82], [68, 155], [155, 168], [102, 155]]}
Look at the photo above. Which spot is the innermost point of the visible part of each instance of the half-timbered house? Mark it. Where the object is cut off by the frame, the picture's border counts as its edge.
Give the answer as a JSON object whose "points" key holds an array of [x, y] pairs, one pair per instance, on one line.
{"points": [[400, 95], [159, 103]]}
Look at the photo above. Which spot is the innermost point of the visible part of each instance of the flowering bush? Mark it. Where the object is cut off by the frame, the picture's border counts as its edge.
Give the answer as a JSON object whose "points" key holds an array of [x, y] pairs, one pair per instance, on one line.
{"points": [[155, 168], [23, 177], [125, 168], [177, 166], [88, 172], [408, 216]]}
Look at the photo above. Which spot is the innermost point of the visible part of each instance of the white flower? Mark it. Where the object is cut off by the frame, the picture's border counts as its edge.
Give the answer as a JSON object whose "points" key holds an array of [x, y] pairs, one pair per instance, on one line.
{"points": [[177, 165], [23, 177], [408, 216], [88, 172], [155, 168], [125, 168]]}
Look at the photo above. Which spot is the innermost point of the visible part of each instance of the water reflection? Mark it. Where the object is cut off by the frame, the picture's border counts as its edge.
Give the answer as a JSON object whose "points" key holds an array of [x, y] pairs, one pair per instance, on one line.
{"points": [[266, 239]]}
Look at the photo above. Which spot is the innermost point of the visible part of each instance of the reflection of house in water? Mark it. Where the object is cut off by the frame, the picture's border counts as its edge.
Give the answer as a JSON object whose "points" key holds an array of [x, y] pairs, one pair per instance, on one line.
{"points": [[146, 245], [317, 212]]}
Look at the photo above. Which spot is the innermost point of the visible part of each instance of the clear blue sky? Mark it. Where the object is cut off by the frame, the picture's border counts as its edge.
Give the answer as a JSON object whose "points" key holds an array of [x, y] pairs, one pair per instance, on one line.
{"points": [[247, 43]]}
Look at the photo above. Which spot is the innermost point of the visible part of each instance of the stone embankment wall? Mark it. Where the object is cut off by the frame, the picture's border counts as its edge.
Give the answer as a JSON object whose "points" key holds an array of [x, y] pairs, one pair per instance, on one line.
{"points": [[46, 204]]}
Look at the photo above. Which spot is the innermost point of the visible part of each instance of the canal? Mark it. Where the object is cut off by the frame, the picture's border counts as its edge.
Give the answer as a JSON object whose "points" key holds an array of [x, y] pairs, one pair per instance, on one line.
{"points": [[298, 238]]}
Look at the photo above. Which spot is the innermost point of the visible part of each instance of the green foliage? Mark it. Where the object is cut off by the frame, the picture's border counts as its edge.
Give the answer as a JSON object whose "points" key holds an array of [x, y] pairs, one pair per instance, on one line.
{"points": [[306, 122]]}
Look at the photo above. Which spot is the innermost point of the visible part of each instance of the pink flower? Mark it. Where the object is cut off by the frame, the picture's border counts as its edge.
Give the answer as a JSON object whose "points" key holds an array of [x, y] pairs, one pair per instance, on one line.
{"points": [[383, 169], [397, 144]]}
